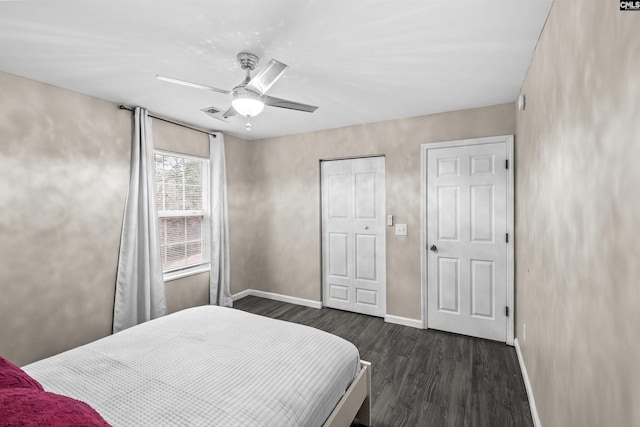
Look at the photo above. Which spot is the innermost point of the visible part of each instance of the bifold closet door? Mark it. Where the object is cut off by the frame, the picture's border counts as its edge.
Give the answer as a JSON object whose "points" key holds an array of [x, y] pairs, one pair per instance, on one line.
{"points": [[353, 235]]}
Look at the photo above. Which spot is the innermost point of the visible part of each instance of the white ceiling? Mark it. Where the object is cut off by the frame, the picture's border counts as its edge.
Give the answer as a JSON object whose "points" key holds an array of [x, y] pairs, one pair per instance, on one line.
{"points": [[360, 61]]}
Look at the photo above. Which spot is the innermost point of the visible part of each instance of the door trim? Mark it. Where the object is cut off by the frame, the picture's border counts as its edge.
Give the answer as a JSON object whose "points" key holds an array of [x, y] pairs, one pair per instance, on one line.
{"points": [[508, 140]]}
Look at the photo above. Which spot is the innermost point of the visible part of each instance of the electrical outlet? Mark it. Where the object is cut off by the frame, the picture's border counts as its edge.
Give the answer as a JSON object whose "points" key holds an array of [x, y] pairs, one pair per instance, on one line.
{"points": [[401, 229], [390, 220]]}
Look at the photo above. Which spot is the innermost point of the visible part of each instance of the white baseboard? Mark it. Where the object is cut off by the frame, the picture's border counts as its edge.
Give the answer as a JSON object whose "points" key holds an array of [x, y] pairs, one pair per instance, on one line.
{"points": [[277, 297], [404, 321], [241, 294], [527, 385]]}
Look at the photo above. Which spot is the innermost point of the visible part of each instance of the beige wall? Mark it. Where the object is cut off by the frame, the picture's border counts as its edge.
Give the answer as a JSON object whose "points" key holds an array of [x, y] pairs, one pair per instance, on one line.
{"points": [[64, 165], [285, 198], [189, 291], [578, 217], [240, 211], [64, 162]]}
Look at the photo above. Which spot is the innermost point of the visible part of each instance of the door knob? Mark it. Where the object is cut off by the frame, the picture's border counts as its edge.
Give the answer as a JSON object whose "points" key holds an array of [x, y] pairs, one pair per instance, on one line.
{"points": [[366, 227], [433, 248]]}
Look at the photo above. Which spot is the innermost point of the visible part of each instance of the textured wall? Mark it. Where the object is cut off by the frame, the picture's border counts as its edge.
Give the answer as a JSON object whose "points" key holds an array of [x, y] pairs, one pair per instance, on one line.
{"points": [[189, 291], [64, 172], [241, 219], [285, 198], [578, 216], [167, 136], [64, 167]]}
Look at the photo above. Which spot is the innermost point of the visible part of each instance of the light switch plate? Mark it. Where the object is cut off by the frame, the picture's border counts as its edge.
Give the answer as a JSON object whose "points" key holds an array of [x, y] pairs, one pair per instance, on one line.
{"points": [[401, 229]]}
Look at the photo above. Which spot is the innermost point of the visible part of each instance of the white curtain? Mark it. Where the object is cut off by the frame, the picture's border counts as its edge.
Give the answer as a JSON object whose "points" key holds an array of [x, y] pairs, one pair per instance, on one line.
{"points": [[220, 293], [140, 293]]}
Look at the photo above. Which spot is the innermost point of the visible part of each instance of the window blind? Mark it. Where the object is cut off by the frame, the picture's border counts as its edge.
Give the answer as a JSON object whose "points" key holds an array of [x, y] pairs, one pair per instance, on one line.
{"points": [[182, 204]]}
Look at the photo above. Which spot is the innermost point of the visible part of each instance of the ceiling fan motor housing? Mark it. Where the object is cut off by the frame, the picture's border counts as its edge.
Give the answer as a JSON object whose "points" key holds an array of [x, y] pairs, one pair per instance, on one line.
{"points": [[247, 61]]}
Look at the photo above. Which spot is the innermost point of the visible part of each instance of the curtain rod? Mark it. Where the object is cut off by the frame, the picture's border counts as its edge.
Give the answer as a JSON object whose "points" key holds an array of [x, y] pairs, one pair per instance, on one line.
{"points": [[173, 122]]}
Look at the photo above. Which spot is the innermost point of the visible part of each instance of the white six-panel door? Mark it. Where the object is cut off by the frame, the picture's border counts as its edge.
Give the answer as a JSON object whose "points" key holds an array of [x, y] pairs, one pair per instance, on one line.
{"points": [[466, 240], [353, 235]]}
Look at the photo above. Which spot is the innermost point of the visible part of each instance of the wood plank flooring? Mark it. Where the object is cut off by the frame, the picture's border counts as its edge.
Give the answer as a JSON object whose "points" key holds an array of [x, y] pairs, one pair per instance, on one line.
{"points": [[422, 377]]}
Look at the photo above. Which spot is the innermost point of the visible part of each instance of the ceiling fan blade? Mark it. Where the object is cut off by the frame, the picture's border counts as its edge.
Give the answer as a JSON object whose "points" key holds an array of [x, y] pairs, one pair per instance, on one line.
{"points": [[263, 81], [190, 84], [291, 105]]}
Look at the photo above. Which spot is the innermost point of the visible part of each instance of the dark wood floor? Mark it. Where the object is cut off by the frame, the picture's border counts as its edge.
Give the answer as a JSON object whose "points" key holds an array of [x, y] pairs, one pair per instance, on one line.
{"points": [[422, 377]]}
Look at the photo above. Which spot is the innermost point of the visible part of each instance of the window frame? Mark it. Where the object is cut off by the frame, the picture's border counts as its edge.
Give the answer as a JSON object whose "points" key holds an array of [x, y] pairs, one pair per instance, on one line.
{"points": [[205, 213]]}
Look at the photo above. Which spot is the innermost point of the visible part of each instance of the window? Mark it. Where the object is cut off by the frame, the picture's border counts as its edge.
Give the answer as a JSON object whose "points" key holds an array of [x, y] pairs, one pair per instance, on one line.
{"points": [[183, 210]]}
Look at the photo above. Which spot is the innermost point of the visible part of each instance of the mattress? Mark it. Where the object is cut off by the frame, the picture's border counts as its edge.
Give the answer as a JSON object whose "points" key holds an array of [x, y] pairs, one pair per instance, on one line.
{"points": [[207, 366]]}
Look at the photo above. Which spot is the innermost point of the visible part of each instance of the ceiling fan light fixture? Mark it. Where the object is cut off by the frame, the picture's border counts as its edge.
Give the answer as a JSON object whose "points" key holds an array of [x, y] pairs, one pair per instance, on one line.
{"points": [[247, 102]]}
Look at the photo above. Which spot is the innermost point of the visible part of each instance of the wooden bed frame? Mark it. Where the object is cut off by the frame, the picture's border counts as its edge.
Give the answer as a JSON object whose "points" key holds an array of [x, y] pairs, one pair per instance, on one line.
{"points": [[355, 405]]}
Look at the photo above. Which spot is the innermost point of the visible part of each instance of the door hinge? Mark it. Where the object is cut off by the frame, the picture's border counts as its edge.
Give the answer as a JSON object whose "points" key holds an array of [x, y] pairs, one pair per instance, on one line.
{"points": [[506, 164], [507, 237], [506, 311]]}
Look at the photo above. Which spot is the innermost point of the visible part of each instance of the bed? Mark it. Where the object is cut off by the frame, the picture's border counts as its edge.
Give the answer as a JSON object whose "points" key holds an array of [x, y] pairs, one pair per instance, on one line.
{"points": [[215, 366]]}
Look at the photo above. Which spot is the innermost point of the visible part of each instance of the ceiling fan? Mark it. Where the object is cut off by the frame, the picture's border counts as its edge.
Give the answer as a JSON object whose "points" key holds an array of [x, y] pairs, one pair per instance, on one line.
{"points": [[248, 98]]}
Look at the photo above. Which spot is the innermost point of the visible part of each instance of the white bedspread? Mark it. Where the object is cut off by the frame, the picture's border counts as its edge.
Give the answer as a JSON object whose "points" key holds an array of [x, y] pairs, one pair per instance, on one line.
{"points": [[207, 366]]}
